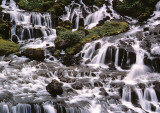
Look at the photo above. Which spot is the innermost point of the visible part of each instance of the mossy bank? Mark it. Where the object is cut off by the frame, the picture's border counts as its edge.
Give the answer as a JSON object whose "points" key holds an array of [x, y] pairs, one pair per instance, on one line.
{"points": [[72, 42], [7, 47]]}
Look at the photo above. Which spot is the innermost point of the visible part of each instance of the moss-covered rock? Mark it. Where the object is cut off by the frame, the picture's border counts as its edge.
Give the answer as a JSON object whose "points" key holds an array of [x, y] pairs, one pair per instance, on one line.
{"points": [[66, 24], [4, 29], [8, 47], [34, 53], [66, 39], [109, 28], [56, 8], [140, 9], [98, 3]]}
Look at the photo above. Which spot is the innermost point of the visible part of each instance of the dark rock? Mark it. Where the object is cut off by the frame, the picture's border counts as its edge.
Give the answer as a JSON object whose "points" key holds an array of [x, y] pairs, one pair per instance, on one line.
{"points": [[81, 22], [103, 92], [146, 29], [139, 35], [70, 60], [156, 86], [110, 55], [111, 66], [77, 85], [14, 38], [126, 56], [54, 88], [34, 53]]}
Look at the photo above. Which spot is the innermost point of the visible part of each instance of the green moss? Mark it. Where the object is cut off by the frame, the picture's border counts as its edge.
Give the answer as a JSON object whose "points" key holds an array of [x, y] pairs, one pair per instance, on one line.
{"points": [[4, 28], [7, 47], [66, 24], [109, 28], [67, 39], [140, 9], [46, 5], [56, 8]]}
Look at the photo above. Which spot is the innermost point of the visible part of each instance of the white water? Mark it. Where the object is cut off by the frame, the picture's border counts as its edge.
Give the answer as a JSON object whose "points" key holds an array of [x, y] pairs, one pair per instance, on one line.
{"points": [[91, 19], [23, 82]]}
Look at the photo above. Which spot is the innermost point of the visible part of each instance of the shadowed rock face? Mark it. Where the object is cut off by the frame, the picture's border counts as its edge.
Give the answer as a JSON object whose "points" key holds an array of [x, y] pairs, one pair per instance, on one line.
{"points": [[54, 88]]}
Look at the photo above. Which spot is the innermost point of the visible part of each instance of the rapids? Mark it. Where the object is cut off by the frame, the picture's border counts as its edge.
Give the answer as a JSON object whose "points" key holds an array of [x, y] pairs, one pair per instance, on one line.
{"points": [[112, 78]]}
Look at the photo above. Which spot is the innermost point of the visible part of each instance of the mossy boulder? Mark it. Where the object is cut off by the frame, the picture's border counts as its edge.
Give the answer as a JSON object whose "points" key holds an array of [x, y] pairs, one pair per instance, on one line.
{"points": [[140, 9], [56, 8], [66, 24], [98, 3], [7, 47], [77, 38], [55, 88], [4, 28], [66, 39], [34, 53]]}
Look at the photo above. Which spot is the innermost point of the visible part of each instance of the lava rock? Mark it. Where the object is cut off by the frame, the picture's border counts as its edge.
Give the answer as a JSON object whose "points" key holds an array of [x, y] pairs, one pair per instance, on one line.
{"points": [[34, 53], [54, 88]]}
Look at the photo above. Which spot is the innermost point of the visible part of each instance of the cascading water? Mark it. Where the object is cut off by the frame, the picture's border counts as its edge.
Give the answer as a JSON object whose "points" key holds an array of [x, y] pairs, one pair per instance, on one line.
{"points": [[113, 77], [82, 15]]}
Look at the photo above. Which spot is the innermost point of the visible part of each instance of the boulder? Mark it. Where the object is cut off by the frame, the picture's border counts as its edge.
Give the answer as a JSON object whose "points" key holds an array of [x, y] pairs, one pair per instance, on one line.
{"points": [[54, 88], [34, 53]]}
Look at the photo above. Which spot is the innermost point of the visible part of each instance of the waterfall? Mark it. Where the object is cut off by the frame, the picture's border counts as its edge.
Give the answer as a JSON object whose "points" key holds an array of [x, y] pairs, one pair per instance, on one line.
{"points": [[112, 78], [79, 13], [28, 25]]}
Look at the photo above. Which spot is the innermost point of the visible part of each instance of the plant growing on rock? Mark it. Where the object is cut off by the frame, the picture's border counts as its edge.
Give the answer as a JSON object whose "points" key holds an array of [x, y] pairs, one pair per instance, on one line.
{"points": [[72, 42], [8, 47], [140, 9], [67, 39], [4, 28]]}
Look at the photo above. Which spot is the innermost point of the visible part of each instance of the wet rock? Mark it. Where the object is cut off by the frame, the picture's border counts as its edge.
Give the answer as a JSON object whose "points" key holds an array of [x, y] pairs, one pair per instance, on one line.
{"points": [[14, 38], [103, 92], [111, 66], [67, 79], [98, 84], [146, 29], [152, 63], [81, 22], [139, 35], [77, 85], [157, 88], [69, 60], [110, 55], [34, 53], [126, 56], [54, 88]]}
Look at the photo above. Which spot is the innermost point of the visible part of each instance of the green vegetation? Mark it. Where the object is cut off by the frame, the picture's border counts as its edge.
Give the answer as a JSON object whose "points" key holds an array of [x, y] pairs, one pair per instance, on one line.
{"points": [[56, 8], [140, 9], [4, 28], [94, 2], [68, 38], [72, 42], [8, 47]]}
